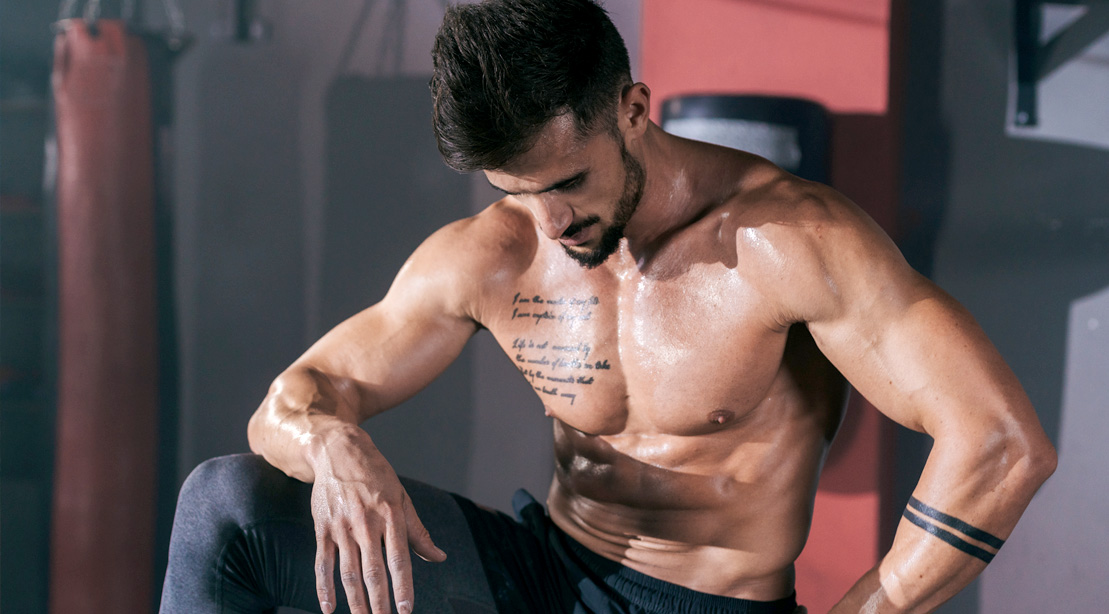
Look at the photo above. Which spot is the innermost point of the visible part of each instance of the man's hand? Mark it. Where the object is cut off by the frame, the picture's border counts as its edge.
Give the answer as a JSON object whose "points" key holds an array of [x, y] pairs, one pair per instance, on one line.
{"points": [[361, 510]]}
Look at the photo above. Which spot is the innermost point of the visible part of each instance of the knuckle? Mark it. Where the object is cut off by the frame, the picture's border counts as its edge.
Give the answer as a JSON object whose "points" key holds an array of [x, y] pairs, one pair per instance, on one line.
{"points": [[373, 575], [349, 576], [388, 500], [391, 515], [397, 561]]}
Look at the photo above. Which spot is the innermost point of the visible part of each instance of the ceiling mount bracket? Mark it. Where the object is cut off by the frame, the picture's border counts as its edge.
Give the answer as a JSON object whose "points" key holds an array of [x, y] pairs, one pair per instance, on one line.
{"points": [[1036, 60]]}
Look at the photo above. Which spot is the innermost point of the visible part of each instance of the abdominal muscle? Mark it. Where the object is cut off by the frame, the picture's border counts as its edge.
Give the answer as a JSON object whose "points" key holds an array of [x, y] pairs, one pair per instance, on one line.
{"points": [[724, 513]]}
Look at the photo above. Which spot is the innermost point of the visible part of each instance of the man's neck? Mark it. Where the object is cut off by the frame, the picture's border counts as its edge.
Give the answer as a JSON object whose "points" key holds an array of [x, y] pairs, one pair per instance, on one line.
{"points": [[673, 195]]}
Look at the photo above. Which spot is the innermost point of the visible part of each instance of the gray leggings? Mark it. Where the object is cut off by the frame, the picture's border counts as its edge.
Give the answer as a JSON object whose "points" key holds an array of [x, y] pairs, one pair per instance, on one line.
{"points": [[243, 542]]}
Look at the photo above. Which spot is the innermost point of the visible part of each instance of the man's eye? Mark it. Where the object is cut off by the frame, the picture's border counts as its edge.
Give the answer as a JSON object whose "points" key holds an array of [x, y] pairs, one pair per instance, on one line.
{"points": [[569, 187]]}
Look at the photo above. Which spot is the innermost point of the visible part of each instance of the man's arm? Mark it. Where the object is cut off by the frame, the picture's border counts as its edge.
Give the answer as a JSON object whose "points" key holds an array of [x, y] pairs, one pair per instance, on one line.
{"points": [[307, 425], [921, 359]]}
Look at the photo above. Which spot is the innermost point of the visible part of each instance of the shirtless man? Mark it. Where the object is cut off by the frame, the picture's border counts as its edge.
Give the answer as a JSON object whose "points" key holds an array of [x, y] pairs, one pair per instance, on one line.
{"points": [[672, 303]]}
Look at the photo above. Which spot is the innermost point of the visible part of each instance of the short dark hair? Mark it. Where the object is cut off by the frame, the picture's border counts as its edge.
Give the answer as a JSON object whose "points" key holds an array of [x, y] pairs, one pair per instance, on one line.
{"points": [[504, 68]]}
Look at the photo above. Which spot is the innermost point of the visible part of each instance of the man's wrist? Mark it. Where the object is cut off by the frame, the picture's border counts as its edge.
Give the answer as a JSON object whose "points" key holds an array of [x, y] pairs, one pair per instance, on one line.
{"points": [[335, 437]]}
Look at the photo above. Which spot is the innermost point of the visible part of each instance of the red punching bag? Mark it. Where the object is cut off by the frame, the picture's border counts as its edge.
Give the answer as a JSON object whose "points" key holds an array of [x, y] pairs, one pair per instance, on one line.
{"points": [[105, 465]]}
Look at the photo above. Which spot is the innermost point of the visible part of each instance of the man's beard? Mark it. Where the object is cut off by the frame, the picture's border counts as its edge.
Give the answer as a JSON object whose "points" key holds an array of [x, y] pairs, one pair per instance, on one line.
{"points": [[634, 178]]}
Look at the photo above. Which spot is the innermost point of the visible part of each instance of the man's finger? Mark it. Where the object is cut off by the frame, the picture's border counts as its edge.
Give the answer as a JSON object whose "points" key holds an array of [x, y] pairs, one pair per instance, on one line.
{"points": [[374, 579], [418, 537], [400, 565], [350, 573], [325, 573]]}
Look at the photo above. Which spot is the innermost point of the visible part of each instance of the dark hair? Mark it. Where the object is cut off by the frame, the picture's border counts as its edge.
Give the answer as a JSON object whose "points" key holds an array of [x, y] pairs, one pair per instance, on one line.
{"points": [[504, 68]]}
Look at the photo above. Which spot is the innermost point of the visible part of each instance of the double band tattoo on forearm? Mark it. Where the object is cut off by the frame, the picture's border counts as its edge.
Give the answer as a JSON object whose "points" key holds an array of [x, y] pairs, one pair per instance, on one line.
{"points": [[984, 546]]}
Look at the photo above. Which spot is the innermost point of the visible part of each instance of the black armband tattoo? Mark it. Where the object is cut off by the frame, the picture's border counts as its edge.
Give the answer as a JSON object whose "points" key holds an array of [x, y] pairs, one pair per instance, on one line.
{"points": [[927, 518]]}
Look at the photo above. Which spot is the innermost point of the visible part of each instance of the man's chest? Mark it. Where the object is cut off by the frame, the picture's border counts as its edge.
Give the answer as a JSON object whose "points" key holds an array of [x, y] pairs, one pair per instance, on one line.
{"points": [[680, 355]]}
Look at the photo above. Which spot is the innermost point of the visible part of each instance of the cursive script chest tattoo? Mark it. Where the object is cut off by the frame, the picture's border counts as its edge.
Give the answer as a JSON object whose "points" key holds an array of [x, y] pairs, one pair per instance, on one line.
{"points": [[553, 344]]}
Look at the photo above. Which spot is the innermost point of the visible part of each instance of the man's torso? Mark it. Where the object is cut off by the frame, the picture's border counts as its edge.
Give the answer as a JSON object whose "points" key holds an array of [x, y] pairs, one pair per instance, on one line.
{"points": [[690, 419]]}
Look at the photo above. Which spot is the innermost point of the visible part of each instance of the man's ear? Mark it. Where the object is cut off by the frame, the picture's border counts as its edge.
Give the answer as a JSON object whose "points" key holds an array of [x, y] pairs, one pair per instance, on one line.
{"points": [[635, 110]]}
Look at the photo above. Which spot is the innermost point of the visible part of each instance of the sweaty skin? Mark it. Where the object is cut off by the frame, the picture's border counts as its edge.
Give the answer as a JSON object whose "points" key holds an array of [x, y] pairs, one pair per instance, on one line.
{"points": [[686, 375]]}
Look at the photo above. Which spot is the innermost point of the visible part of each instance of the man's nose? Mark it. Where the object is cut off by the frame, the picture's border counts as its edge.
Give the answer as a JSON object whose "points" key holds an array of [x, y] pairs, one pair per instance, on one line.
{"points": [[553, 216]]}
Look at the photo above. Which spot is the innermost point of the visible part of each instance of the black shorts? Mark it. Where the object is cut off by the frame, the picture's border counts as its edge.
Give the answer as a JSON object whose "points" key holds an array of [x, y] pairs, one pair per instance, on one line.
{"points": [[533, 566]]}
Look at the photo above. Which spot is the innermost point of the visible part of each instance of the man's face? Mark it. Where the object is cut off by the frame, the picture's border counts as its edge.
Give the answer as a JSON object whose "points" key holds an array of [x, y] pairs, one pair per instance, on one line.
{"points": [[581, 191]]}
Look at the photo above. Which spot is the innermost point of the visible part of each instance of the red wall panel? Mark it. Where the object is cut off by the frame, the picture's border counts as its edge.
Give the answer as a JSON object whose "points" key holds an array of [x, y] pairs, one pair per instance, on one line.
{"points": [[815, 49]]}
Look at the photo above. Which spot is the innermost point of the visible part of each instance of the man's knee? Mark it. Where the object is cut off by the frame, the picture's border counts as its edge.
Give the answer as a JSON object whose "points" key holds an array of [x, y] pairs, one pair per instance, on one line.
{"points": [[239, 487]]}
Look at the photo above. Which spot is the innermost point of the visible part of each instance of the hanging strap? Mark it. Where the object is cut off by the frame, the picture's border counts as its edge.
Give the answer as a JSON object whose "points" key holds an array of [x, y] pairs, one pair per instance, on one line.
{"points": [[392, 38], [354, 36], [176, 18]]}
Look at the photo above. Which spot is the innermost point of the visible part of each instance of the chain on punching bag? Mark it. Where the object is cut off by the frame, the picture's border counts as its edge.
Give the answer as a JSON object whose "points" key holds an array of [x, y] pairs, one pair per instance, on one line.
{"points": [[104, 485]]}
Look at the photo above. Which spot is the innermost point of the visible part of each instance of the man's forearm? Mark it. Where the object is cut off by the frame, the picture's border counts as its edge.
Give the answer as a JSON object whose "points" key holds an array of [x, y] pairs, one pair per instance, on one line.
{"points": [[952, 527], [303, 414], [908, 583]]}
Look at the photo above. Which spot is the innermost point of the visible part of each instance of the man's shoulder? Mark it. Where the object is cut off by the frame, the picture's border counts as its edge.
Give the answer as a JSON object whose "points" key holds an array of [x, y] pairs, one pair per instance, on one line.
{"points": [[501, 237], [802, 239], [784, 208], [465, 263]]}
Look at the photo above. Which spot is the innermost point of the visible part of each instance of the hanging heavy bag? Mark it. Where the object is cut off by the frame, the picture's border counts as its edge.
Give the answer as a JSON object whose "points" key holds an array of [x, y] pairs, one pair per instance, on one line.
{"points": [[104, 485]]}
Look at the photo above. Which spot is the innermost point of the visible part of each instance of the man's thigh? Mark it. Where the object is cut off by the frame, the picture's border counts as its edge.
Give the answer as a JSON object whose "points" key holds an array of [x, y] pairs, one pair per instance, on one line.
{"points": [[243, 543], [458, 585]]}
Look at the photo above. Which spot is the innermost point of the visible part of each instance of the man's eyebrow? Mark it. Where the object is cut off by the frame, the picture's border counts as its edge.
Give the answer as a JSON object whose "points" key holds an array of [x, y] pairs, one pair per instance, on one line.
{"points": [[558, 185]]}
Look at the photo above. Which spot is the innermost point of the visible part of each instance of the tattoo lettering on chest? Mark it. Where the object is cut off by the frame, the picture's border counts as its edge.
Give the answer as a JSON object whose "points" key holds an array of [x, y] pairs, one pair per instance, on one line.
{"points": [[558, 368]]}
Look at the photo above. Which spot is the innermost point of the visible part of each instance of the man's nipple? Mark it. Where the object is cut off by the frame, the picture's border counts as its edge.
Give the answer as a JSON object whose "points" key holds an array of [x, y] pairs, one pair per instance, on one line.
{"points": [[721, 416]]}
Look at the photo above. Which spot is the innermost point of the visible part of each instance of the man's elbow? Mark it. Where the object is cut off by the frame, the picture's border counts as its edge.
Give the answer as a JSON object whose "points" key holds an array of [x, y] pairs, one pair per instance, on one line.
{"points": [[1044, 460], [253, 432], [257, 426], [1036, 460]]}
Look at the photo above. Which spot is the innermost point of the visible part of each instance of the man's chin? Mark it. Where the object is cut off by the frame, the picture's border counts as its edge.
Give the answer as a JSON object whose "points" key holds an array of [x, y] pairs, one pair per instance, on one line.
{"points": [[591, 258], [586, 257]]}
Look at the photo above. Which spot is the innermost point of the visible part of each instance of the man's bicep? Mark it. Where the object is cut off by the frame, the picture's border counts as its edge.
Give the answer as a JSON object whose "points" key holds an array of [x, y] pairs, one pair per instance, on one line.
{"points": [[920, 357], [386, 353]]}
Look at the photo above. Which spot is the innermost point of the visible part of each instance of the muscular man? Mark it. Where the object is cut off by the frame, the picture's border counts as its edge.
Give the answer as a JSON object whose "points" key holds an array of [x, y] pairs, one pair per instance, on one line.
{"points": [[672, 304]]}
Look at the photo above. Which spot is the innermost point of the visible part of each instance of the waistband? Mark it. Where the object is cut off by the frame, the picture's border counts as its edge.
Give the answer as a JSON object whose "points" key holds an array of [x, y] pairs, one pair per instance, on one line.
{"points": [[645, 593]]}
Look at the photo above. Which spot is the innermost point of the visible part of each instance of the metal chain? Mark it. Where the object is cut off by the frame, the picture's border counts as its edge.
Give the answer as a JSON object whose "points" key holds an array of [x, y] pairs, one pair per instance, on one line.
{"points": [[176, 19], [174, 15], [67, 9], [92, 11]]}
